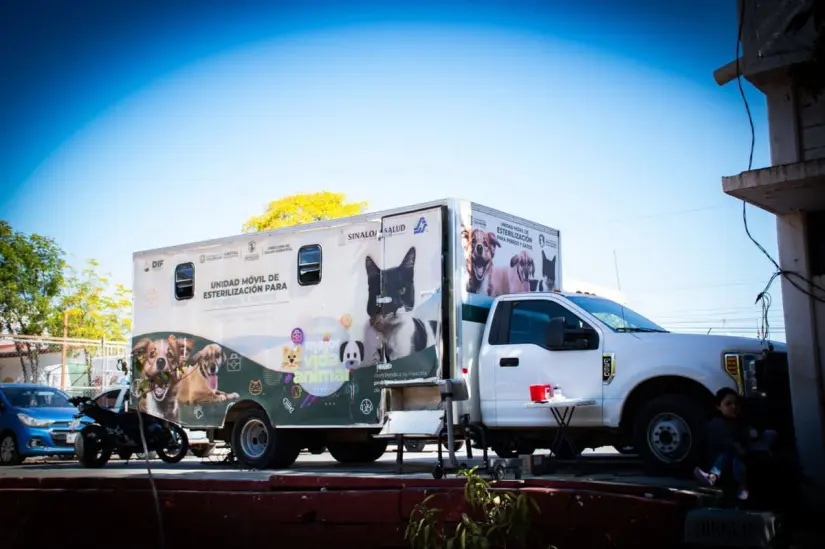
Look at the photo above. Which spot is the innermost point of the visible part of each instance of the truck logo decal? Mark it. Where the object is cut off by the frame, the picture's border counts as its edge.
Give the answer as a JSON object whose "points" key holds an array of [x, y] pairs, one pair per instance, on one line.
{"points": [[251, 246], [234, 363], [608, 368], [198, 412], [421, 226], [366, 406]]}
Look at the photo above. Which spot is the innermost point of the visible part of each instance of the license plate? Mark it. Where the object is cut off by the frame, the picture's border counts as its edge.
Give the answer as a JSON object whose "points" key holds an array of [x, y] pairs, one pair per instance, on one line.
{"points": [[70, 438]]}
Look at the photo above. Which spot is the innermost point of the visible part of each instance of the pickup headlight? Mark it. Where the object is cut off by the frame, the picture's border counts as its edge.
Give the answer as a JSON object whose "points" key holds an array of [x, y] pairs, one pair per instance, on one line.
{"points": [[33, 421], [742, 368]]}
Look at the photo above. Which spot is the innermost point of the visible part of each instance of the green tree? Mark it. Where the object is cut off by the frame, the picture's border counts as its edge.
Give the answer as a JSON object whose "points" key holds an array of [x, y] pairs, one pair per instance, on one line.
{"points": [[94, 307], [31, 275], [303, 208]]}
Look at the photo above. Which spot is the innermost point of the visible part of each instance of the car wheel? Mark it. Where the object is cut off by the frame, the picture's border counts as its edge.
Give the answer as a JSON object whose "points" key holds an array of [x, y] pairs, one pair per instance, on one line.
{"points": [[667, 433], [9, 454]]}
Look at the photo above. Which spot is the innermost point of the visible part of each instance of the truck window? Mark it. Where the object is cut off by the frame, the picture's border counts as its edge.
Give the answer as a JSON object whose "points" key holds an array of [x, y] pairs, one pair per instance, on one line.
{"points": [[529, 320], [185, 281], [309, 265]]}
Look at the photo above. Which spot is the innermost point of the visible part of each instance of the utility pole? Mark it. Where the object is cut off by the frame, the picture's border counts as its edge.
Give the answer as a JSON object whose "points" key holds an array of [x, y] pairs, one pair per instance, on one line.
{"points": [[63, 366]]}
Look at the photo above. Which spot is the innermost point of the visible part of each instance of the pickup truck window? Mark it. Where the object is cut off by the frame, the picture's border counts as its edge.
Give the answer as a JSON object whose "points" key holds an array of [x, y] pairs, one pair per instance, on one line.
{"points": [[618, 317], [526, 322]]}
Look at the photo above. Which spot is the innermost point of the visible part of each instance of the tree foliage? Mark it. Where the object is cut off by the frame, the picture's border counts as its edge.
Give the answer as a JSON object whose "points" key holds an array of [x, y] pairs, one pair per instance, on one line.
{"points": [[303, 208], [96, 308], [93, 308], [31, 275]]}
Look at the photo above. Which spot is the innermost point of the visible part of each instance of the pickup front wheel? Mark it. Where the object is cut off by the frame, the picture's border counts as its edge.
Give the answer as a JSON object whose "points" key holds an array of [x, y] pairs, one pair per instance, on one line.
{"points": [[667, 432]]}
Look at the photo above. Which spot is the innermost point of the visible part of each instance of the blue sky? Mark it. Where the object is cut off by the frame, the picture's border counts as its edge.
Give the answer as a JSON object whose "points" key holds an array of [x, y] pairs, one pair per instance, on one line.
{"points": [[144, 125]]}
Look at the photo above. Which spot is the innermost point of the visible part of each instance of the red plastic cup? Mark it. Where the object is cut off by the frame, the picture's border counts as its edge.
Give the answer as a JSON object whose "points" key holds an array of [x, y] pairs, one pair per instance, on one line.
{"points": [[541, 393]]}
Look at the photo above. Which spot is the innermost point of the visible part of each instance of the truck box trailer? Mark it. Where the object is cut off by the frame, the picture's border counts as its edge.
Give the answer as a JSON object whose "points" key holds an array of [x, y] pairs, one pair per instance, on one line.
{"points": [[286, 339]]}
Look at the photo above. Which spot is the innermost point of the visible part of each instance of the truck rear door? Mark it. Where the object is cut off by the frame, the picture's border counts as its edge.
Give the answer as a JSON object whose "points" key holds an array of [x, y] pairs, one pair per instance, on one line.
{"points": [[515, 355], [410, 305]]}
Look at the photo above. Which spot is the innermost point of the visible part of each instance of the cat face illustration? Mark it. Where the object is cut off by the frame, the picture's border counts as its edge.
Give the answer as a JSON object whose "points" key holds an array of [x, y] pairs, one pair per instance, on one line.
{"points": [[256, 387], [395, 283]]}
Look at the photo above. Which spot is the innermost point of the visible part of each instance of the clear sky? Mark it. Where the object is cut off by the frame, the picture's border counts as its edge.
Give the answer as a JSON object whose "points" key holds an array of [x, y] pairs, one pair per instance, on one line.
{"points": [[139, 125]]}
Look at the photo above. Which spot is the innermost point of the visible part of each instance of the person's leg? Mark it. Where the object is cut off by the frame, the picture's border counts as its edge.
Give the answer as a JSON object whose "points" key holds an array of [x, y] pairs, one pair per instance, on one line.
{"points": [[719, 465], [765, 442], [738, 470], [710, 478]]}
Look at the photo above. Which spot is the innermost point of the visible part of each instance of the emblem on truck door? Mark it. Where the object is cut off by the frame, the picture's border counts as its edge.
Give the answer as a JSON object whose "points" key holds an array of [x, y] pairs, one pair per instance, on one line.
{"points": [[608, 368]]}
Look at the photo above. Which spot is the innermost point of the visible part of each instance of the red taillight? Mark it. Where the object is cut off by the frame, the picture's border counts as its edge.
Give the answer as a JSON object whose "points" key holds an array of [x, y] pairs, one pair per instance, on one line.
{"points": [[465, 371]]}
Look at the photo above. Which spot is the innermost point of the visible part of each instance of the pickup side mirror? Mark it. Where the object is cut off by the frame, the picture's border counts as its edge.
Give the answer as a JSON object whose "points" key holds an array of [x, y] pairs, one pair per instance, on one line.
{"points": [[555, 333]]}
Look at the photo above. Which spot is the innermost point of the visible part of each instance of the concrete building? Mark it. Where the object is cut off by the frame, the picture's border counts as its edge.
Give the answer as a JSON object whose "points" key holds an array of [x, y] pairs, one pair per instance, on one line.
{"points": [[783, 55]]}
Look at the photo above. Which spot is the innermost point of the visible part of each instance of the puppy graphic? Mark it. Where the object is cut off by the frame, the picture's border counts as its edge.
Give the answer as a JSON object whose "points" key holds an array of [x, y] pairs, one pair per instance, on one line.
{"points": [[199, 383], [352, 354], [292, 358], [162, 363], [479, 251], [516, 278]]}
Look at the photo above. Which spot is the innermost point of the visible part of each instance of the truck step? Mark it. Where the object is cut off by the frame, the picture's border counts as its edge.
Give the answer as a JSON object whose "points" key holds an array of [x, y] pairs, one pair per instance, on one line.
{"points": [[709, 527]]}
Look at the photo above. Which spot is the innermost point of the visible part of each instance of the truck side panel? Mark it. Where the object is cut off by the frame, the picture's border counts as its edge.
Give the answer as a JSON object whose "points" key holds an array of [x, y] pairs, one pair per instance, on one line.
{"points": [[246, 321], [502, 254]]}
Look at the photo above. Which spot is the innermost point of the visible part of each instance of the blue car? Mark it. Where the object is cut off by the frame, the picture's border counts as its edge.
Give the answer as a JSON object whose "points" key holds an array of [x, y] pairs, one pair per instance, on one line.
{"points": [[35, 420]]}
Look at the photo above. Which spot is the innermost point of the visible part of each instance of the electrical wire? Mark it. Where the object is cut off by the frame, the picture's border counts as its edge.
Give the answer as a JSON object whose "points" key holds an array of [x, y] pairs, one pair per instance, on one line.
{"points": [[764, 297], [161, 537]]}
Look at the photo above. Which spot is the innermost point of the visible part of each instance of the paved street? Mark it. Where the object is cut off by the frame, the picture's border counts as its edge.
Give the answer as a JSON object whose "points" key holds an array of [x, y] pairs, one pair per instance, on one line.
{"points": [[611, 468]]}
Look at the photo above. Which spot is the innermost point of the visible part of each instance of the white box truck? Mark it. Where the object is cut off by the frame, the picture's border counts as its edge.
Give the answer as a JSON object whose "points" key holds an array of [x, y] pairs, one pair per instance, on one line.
{"points": [[282, 340]]}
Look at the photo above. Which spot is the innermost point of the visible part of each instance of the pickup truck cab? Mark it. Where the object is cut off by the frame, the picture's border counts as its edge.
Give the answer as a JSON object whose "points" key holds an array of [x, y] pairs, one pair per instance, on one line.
{"points": [[653, 388]]}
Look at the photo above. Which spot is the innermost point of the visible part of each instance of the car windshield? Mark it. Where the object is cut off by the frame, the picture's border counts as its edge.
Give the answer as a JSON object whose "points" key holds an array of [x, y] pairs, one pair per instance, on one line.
{"points": [[36, 397], [618, 317]]}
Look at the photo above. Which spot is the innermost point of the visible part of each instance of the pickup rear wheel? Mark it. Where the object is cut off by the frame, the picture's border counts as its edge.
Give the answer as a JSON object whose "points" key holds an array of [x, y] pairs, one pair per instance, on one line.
{"points": [[667, 431], [358, 452], [258, 445]]}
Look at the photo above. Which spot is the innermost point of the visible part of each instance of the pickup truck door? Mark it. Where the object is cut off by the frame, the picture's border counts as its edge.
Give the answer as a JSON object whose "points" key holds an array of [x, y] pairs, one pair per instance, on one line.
{"points": [[517, 353]]}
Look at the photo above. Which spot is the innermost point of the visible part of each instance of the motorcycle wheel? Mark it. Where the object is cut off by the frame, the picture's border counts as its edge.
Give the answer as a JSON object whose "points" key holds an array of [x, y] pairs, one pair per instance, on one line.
{"points": [[91, 448], [178, 447]]}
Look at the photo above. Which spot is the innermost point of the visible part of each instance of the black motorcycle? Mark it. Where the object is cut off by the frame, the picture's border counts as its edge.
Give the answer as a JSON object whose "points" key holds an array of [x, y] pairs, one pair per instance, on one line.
{"points": [[120, 432]]}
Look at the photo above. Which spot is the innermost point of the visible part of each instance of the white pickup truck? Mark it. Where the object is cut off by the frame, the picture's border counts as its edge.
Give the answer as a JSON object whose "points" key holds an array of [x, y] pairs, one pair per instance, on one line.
{"points": [[652, 388]]}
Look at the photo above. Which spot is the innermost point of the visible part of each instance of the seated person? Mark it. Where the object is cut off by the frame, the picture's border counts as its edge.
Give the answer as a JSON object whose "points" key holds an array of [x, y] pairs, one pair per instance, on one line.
{"points": [[730, 440]]}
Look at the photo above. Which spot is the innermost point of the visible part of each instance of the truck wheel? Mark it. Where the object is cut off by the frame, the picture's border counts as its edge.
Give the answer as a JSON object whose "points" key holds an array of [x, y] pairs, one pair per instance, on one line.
{"points": [[457, 445], [358, 452], [667, 433], [257, 445], [414, 445], [202, 451]]}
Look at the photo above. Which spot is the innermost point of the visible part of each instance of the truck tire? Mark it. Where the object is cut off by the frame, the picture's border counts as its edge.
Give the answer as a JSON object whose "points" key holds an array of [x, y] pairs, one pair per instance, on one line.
{"points": [[358, 452], [667, 433], [257, 445], [457, 445], [414, 445], [202, 451]]}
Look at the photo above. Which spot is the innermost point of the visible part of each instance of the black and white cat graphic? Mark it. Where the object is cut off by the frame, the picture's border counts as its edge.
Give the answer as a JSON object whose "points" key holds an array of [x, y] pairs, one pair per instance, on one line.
{"points": [[548, 272], [402, 333]]}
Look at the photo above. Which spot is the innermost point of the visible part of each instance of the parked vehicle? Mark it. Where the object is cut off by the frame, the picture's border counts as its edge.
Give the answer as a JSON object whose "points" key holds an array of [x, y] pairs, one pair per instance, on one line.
{"points": [[117, 399], [34, 421], [120, 432], [288, 339]]}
